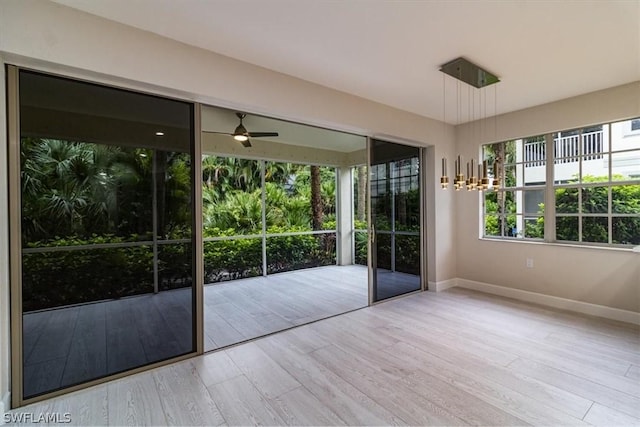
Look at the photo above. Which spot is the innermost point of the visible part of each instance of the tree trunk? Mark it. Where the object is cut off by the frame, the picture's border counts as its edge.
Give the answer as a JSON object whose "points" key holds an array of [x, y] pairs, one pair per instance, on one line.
{"points": [[316, 198], [362, 193]]}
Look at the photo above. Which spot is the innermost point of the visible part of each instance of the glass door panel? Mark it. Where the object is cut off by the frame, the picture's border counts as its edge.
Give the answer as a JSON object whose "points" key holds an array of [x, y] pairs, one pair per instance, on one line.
{"points": [[395, 217], [106, 228]]}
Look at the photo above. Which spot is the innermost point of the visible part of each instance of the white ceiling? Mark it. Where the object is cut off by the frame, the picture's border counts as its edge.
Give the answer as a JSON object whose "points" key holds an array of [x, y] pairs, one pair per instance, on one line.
{"points": [[389, 51]]}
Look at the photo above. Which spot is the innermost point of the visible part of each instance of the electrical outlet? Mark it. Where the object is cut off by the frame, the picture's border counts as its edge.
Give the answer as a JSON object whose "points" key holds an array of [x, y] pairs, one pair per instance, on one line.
{"points": [[529, 262]]}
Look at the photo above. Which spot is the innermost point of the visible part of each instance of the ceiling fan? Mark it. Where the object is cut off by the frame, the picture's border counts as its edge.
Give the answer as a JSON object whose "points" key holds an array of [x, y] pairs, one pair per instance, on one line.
{"points": [[242, 135]]}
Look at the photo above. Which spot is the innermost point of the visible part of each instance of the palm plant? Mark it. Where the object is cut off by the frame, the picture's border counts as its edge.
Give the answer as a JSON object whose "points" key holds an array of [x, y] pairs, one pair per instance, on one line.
{"points": [[66, 187]]}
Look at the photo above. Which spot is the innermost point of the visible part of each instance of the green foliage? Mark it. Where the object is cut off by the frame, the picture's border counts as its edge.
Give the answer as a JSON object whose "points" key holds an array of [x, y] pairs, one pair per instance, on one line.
{"points": [[231, 203], [625, 199], [65, 277], [594, 208], [241, 258], [361, 248], [80, 189], [238, 210], [52, 279], [286, 253], [359, 225]]}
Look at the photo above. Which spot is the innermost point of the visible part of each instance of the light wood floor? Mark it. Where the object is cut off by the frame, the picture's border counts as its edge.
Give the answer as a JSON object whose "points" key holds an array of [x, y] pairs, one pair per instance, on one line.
{"points": [[456, 357]]}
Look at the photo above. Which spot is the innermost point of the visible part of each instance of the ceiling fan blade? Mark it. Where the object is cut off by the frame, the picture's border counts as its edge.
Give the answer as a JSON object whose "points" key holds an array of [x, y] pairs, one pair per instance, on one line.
{"points": [[218, 133], [246, 143], [262, 134]]}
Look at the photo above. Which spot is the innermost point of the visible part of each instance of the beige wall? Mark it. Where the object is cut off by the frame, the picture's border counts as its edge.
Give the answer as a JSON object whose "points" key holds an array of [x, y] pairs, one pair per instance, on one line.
{"points": [[50, 37], [601, 276]]}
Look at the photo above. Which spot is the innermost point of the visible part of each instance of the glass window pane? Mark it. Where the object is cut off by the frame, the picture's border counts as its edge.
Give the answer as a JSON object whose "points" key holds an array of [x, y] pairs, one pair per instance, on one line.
{"points": [[592, 143], [407, 210], [534, 227], [520, 175], [626, 199], [625, 166], [381, 209], [567, 200], [173, 194], [534, 152], [567, 228], [625, 135], [491, 202], [383, 250], [174, 265], [595, 200], [78, 190], [104, 172], [566, 170], [492, 225], [566, 145], [533, 201], [408, 256], [360, 186], [514, 226], [509, 201], [626, 230], [509, 155], [534, 174], [595, 229], [510, 178], [116, 273], [595, 169]]}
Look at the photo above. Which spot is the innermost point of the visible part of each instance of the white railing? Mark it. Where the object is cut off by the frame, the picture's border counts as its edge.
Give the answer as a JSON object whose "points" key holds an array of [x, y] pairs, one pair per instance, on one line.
{"points": [[566, 149], [535, 153], [592, 146]]}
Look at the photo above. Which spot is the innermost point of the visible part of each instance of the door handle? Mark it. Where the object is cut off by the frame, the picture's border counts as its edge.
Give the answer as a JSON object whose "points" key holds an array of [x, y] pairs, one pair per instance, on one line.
{"points": [[373, 233]]}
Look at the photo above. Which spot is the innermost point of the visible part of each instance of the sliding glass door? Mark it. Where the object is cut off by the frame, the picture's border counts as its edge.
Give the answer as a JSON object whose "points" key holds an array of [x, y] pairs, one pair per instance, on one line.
{"points": [[396, 259], [105, 230]]}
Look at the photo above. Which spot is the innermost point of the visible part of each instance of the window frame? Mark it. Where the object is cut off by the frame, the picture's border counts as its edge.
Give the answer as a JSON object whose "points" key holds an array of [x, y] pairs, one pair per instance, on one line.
{"points": [[551, 216]]}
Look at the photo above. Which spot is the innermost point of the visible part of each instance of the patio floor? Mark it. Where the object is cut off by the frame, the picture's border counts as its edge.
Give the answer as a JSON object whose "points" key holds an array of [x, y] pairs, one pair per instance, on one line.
{"points": [[245, 309]]}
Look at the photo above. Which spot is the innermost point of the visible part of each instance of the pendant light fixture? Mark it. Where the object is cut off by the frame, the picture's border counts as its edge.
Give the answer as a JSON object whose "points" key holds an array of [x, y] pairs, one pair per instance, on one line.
{"points": [[475, 79]]}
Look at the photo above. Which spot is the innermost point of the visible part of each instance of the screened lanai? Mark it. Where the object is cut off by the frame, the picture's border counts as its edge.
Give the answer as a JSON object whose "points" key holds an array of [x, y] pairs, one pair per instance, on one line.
{"points": [[284, 226]]}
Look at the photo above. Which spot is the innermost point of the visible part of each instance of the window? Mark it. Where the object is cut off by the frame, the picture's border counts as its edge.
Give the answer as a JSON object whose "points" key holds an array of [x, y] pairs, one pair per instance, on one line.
{"points": [[596, 187], [516, 209]]}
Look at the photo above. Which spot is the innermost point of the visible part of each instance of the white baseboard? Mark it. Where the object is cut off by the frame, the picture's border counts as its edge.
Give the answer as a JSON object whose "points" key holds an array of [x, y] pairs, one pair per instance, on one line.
{"points": [[442, 285], [552, 301], [5, 404]]}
